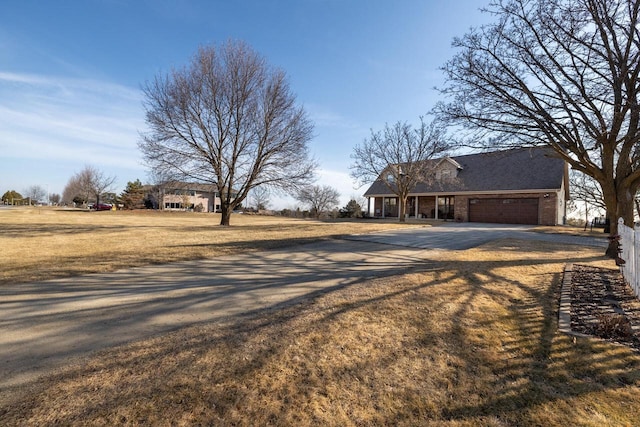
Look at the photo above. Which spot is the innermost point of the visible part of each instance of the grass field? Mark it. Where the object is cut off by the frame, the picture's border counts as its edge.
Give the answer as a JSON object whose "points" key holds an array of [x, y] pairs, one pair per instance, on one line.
{"points": [[46, 243], [468, 339]]}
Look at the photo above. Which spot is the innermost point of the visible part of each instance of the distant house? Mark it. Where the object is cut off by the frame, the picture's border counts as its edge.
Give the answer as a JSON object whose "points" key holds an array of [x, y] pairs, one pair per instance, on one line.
{"points": [[520, 186], [182, 196]]}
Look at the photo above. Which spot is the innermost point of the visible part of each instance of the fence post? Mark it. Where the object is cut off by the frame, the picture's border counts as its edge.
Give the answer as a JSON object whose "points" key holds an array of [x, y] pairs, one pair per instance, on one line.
{"points": [[630, 241], [636, 261], [629, 247]]}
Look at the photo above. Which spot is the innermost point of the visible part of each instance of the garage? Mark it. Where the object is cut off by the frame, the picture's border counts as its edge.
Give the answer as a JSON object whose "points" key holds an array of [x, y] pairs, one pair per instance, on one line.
{"points": [[504, 211]]}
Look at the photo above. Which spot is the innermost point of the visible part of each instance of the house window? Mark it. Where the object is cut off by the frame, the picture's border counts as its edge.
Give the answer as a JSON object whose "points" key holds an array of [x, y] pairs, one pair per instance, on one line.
{"points": [[173, 205], [446, 206]]}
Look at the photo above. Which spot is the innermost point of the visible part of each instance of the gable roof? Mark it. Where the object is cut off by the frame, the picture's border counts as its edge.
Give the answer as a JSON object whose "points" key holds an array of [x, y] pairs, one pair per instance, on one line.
{"points": [[537, 168], [451, 161]]}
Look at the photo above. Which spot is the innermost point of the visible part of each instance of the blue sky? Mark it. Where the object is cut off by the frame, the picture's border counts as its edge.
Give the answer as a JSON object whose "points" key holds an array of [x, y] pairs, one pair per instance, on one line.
{"points": [[71, 72]]}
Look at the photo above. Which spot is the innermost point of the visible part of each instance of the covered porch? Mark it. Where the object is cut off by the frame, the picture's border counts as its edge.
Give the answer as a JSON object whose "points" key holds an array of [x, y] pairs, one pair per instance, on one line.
{"points": [[419, 207]]}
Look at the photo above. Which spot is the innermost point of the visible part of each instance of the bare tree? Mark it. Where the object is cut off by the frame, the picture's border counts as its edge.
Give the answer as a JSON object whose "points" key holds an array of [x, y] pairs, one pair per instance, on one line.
{"points": [[96, 182], [562, 73], [228, 119], [260, 197], [320, 199], [585, 190], [159, 179], [35, 194], [90, 183], [74, 192], [398, 157]]}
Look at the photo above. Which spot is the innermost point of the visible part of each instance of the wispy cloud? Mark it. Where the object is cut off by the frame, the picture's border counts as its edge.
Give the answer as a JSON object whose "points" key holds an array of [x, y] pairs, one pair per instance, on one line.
{"points": [[69, 119], [325, 117]]}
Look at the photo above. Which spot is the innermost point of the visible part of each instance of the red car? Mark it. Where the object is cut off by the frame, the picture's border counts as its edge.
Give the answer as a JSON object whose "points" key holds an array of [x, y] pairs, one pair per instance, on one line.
{"points": [[102, 207]]}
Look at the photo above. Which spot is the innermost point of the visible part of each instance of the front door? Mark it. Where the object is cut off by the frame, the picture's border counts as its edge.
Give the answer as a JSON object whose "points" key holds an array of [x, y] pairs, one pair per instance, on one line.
{"points": [[411, 206], [391, 207]]}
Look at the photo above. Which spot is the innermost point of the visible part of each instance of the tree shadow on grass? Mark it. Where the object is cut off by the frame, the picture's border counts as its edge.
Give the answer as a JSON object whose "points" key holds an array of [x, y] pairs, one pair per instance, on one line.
{"points": [[374, 349], [543, 377]]}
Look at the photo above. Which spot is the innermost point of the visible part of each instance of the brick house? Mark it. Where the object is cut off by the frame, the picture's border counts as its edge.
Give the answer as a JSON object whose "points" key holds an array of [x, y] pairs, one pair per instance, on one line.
{"points": [[519, 186]]}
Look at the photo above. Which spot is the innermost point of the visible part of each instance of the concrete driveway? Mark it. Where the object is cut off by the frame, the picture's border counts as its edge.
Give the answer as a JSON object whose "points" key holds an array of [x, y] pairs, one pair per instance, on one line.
{"points": [[460, 236], [49, 324], [44, 325]]}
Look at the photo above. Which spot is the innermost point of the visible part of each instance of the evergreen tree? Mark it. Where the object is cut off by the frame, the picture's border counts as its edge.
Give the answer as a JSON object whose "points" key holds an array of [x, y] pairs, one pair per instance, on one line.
{"points": [[351, 210], [133, 196], [12, 197]]}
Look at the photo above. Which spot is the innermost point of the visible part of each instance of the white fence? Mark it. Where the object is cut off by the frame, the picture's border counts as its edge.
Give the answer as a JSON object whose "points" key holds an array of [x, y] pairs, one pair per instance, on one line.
{"points": [[630, 241]]}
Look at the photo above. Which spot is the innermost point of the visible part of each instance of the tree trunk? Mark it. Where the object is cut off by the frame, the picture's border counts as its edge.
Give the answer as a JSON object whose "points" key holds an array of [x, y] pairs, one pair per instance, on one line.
{"points": [[620, 207], [402, 208], [625, 210], [225, 210], [586, 215]]}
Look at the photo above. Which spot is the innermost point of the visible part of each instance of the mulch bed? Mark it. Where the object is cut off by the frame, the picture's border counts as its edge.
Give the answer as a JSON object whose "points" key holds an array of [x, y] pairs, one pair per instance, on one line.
{"points": [[603, 305]]}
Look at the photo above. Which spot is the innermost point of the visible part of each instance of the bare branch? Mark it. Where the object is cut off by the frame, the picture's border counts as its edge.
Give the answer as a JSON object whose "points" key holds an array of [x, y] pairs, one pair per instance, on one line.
{"points": [[319, 198], [88, 184], [228, 119], [398, 156], [562, 73]]}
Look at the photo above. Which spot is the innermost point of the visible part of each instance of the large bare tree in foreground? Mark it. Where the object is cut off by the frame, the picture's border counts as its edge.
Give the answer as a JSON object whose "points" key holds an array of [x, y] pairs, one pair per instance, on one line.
{"points": [[397, 156], [562, 73], [229, 119]]}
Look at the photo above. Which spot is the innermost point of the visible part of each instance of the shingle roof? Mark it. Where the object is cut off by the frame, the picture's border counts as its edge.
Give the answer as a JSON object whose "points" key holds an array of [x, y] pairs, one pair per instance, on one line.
{"points": [[195, 186], [524, 169]]}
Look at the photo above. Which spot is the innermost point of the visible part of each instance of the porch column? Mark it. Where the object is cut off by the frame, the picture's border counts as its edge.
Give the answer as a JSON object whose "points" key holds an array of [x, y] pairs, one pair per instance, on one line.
{"points": [[383, 213], [416, 201], [436, 210]]}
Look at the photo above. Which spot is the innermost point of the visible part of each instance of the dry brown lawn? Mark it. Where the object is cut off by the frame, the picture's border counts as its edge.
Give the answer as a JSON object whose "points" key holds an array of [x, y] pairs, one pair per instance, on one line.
{"points": [[572, 230], [467, 339], [45, 243]]}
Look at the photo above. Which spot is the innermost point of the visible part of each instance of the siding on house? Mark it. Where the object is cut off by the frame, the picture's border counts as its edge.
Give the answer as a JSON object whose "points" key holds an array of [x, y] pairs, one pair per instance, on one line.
{"points": [[190, 196]]}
